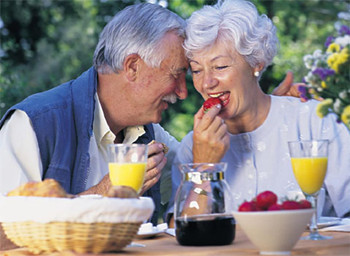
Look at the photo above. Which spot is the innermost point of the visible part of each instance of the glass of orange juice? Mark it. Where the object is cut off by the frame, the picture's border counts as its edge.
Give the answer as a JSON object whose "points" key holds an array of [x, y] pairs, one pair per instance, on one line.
{"points": [[127, 164], [309, 162]]}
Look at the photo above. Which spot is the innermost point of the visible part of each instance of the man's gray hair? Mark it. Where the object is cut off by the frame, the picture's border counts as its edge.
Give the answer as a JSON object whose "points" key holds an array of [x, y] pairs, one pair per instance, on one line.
{"points": [[238, 24], [137, 29]]}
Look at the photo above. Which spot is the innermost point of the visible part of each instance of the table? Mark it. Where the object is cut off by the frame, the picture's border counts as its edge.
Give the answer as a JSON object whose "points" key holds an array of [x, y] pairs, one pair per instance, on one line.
{"points": [[167, 245]]}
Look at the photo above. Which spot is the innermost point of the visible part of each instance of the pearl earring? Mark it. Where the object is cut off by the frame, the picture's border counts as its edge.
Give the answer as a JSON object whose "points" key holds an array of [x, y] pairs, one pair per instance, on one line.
{"points": [[256, 73]]}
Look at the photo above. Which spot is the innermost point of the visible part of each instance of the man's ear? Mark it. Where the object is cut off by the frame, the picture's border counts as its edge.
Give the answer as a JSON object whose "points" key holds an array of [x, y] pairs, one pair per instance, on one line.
{"points": [[131, 66]]}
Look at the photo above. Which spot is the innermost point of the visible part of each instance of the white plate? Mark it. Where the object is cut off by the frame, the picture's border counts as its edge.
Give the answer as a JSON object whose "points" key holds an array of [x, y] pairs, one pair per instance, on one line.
{"points": [[170, 231], [147, 230], [328, 221], [151, 234]]}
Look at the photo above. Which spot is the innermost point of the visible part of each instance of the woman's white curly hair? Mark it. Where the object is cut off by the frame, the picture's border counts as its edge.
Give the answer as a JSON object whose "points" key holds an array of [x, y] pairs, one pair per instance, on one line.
{"points": [[236, 23]]}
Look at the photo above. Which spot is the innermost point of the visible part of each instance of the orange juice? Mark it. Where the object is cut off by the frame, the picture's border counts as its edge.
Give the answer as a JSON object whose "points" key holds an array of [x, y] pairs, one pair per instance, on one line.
{"points": [[310, 173], [127, 174]]}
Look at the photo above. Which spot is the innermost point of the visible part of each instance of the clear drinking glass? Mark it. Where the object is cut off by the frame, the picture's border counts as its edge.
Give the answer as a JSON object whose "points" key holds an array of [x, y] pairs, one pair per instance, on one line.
{"points": [[309, 161], [127, 164]]}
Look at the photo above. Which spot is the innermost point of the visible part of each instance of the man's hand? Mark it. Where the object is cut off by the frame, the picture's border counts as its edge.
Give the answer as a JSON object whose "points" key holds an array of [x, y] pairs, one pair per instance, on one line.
{"points": [[210, 136], [101, 188], [155, 163], [288, 88]]}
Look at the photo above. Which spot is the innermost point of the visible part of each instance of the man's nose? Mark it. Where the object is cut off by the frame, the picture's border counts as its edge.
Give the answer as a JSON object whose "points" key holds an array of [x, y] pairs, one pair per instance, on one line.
{"points": [[181, 88]]}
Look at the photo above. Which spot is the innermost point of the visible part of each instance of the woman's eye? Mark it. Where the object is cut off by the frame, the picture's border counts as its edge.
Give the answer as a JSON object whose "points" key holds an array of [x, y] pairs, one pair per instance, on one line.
{"points": [[221, 67]]}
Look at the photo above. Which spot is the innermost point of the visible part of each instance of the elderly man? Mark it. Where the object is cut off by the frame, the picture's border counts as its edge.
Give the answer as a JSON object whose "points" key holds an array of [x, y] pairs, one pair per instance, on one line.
{"points": [[139, 68]]}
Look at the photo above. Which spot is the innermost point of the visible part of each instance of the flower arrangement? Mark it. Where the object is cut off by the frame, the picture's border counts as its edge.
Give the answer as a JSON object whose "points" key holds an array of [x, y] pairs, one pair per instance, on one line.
{"points": [[328, 78]]}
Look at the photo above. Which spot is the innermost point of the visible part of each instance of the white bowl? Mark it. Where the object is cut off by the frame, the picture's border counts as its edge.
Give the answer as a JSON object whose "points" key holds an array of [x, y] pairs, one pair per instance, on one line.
{"points": [[274, 232]]}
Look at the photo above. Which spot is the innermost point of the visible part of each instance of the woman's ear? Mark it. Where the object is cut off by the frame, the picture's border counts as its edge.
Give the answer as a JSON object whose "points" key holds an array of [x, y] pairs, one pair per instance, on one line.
{"points": [[257, 69], [131, 66], [260, 66]]}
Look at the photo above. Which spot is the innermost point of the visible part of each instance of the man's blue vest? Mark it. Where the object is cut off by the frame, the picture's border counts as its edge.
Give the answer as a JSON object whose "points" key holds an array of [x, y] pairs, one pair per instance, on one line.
{"points": [[62, 119]]}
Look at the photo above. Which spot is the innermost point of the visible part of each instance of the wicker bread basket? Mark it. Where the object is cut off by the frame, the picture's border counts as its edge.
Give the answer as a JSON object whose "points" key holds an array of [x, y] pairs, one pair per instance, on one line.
{"points": [[101, 230]]}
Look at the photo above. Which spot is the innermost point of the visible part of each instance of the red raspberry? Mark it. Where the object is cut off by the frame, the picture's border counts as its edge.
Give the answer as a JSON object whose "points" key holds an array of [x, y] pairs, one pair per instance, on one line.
{"points": [[265, 199], [291, 205], [211, 102], [305, 204], [247, 207]]}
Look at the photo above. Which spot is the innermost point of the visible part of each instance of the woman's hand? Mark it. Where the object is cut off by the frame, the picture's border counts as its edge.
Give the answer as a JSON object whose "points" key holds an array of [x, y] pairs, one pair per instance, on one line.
{"points": [[210, 136], [155, 163]]}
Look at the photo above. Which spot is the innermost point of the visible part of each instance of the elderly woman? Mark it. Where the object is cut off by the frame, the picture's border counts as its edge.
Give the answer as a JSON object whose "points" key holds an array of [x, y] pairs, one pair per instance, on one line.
{"points": [[229, 46]]}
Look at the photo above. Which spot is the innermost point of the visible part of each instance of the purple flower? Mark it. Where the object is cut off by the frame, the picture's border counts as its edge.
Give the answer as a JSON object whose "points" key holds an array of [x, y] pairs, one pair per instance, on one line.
{"points": [[323, 73], [329, 40], [303, 92], [344, 30]]}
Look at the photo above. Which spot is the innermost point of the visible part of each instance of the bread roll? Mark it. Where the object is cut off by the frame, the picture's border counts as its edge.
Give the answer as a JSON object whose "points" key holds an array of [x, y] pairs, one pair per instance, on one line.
{"points": [[165, 147], [45, 188], [122, 192]]}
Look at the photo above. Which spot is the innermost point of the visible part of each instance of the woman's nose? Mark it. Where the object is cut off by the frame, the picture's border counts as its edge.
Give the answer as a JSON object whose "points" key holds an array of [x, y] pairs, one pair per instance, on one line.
{"points": [[209, 80]]}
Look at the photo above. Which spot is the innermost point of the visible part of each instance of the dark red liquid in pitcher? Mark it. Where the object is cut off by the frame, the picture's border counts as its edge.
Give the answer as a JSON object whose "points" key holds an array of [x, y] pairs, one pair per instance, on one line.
{"points": [[205, 230]]}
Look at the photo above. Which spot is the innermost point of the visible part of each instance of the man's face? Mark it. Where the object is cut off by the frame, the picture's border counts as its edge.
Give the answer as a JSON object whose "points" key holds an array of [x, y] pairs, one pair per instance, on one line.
{"points": [[156, 87]]}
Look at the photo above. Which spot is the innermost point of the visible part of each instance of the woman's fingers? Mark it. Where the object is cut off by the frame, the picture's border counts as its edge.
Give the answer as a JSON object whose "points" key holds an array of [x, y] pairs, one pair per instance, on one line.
{"points": [[204, 120]]}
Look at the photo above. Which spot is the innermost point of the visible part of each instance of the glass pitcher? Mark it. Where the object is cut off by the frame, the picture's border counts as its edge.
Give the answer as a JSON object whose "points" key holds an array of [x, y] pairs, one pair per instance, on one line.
{"points": [[203, 206]]}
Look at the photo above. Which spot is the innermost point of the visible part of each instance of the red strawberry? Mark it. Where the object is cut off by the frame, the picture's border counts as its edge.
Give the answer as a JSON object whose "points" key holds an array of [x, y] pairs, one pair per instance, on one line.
{"points": [[305, 204], [291, 205], [247, 207], [265, 199], [211, 102], [275, 207]]}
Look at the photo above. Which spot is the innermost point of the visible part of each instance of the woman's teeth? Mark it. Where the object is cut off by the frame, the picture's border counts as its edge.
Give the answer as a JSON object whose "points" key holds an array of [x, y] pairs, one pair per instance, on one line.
{"points": [[216, 95]]}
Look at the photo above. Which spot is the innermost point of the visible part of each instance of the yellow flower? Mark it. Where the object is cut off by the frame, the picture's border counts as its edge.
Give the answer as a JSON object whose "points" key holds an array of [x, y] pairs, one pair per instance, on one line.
{"points": [[336, 59], [343, 56], [323, 107], [331, 60], [323, 84], [312, 91], [345, 116], [333, 47]]}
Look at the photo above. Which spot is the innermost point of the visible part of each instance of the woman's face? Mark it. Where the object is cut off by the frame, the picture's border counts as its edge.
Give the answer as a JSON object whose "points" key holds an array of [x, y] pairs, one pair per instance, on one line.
{"points": [[220, 72]]}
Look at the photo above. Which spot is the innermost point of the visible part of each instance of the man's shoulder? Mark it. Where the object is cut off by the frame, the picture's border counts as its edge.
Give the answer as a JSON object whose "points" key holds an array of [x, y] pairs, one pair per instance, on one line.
{"points": [[59, 97], [42, 102]]}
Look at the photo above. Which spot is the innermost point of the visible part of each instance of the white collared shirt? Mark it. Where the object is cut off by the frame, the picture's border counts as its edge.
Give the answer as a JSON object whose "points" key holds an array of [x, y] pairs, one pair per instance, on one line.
{"points": [[102, 136], [20, 159]]}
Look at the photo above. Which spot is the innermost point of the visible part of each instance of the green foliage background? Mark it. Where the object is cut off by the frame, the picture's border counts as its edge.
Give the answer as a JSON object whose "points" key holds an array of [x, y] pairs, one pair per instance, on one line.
{"points": [[47, 42]]}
